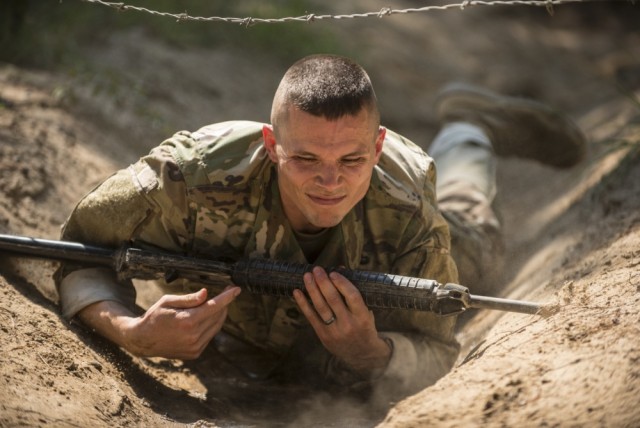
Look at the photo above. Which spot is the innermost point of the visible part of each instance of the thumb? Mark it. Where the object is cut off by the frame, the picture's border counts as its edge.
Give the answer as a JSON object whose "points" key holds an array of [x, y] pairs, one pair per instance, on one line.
{"points": [[187, 300]]}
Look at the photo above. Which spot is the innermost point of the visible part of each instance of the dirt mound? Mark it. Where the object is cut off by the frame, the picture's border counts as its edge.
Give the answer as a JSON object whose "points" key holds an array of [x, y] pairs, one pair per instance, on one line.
{"points": [[573, 236], [577, 367]]}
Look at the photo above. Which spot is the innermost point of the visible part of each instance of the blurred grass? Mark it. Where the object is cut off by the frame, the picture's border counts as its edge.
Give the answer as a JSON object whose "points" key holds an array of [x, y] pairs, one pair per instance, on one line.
{"points": [[49, 33]]}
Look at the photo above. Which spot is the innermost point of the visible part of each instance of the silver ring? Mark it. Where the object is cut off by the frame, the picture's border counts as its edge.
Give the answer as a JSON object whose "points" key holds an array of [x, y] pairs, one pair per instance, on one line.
{"points": [[330, 320]]}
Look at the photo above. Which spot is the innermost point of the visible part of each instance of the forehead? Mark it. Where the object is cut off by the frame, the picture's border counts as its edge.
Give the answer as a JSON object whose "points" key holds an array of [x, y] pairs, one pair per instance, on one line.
{"points": [[305, 132]]}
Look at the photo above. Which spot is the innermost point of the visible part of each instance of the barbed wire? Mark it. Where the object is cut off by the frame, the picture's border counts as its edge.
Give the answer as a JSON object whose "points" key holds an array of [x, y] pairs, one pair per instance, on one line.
{"points": [[311, 17]]}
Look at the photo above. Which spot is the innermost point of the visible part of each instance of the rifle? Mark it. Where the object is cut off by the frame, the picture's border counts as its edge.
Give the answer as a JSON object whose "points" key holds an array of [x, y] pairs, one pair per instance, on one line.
{"points": [[267, 277]]}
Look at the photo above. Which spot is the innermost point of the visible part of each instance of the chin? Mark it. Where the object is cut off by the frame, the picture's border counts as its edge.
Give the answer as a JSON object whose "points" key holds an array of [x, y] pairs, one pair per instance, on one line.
{"points": [[328, 222], [325, 218]]}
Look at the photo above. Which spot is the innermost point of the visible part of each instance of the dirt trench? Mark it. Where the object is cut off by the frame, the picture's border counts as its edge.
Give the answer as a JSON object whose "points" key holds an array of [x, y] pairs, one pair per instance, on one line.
{"points": [[573, 236]]}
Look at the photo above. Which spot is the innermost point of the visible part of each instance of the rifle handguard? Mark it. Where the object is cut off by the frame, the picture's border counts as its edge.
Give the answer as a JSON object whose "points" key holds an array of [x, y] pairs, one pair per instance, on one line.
{"points": [[278, 278], [379, 290]]}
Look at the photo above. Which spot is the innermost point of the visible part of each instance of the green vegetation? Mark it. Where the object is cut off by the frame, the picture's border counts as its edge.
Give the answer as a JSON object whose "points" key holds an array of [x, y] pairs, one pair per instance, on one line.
{"points": [[47, 33]]}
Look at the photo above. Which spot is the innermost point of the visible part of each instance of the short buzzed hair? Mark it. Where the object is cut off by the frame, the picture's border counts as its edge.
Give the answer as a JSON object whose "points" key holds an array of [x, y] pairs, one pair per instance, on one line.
{"points": [[328, 86]]}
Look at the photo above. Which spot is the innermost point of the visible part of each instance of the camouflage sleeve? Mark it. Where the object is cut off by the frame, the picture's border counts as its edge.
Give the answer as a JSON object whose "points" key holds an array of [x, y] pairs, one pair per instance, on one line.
{"points": [[107, 216], [131, 205]]}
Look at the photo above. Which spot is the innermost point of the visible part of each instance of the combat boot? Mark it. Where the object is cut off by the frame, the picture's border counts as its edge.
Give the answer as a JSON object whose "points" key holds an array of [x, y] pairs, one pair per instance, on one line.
{"points": [[516, 126]]}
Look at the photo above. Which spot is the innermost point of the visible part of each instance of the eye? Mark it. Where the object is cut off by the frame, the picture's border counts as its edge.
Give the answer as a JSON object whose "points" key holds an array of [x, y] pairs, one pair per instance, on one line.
{"points": [[304, 159], [353, 161]]}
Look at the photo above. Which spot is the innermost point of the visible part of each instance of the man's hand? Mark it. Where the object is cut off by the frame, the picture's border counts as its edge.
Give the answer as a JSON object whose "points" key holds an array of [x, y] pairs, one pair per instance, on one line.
{"points": [[174, 327], [342, 321]]}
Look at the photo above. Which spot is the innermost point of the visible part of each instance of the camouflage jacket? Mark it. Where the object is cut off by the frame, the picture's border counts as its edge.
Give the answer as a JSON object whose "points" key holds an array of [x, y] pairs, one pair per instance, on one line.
{"points": [[214, 193]]}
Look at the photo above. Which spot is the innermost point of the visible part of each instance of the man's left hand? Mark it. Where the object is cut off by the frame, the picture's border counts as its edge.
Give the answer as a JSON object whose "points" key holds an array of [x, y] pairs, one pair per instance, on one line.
{"points": [[343, 323]]}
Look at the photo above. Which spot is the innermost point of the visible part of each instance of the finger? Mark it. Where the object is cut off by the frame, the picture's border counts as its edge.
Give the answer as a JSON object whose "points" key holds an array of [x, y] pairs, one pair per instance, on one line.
{"points": [[206, 315], [315, 284], [331, 295], [185, 301], [307, 310], [219, 320], [216, 323], [208, 318], [352, 296], [203, 335], [223, 299]]}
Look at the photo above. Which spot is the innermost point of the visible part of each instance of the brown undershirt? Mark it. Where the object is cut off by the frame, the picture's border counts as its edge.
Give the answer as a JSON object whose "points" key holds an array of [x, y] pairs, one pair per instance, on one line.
{"points": [[312, 244]]}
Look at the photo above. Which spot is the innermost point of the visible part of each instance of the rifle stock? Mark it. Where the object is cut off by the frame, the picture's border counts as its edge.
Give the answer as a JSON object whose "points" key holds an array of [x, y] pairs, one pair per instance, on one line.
{"points": [[268, 277]]}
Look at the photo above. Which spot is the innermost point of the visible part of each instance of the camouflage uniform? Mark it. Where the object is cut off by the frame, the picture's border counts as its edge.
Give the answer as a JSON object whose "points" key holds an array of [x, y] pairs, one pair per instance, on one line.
{"points": [[213, 193]]}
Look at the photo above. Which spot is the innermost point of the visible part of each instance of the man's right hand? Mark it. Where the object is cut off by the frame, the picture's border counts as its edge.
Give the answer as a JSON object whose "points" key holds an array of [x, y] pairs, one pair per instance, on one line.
{"points": [[174, 327]]}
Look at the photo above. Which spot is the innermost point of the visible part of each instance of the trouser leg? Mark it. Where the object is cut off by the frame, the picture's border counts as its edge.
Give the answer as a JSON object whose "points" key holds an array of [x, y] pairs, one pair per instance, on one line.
{"points": [[466, 188]]}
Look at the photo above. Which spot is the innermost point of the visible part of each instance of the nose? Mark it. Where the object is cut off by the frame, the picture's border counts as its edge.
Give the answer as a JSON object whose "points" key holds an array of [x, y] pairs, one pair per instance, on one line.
{"points": [[328, 176]]}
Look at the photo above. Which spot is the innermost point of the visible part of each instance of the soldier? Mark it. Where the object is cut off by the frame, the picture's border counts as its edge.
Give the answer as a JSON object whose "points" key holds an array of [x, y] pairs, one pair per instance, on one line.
{"points": [[325, 184]]}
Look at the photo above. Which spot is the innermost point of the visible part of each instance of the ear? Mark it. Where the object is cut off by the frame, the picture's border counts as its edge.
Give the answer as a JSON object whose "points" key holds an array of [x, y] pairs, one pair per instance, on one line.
{"points": [[382, 133], [269, 139]]}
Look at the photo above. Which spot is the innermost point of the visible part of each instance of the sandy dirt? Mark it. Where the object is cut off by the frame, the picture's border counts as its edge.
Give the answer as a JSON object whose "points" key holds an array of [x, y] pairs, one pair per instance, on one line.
{"points": [[573, 236]]}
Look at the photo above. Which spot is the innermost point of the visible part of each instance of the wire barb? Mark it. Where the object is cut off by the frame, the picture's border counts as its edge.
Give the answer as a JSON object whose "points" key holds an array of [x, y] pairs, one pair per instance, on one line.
{"points": [[385, 11], [550, 8], [182, 17]]}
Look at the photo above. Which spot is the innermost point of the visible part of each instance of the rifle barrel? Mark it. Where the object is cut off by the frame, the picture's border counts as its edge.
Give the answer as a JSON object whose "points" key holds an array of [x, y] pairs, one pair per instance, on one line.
{"points": [[485, 302], [57, 250]]}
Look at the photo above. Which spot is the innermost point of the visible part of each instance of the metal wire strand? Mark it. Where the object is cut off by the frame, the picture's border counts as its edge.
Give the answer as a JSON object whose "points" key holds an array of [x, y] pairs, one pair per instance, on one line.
{"points": [[312, 17]]}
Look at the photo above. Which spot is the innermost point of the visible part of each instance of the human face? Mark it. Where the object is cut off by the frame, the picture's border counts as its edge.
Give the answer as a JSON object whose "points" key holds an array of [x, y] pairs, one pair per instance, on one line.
{"points": [[324, 166]]}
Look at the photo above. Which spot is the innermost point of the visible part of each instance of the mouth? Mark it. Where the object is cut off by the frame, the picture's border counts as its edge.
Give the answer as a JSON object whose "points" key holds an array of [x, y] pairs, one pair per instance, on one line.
{"points": [[326, 200]]}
